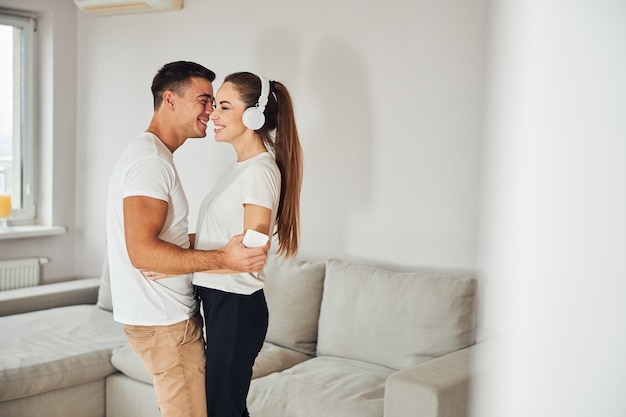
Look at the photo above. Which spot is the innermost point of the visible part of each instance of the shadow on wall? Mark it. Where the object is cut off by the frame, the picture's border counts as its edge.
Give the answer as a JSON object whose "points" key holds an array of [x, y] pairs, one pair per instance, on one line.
{"points": [[335, 134], [340, 144]]}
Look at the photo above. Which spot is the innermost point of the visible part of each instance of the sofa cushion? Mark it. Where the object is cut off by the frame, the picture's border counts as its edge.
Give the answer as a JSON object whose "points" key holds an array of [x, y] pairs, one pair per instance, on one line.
{"points": [[394, 319], [127, 397], [56, 348], [273, 358], [129, 363], [293, 290], [323, 387]]}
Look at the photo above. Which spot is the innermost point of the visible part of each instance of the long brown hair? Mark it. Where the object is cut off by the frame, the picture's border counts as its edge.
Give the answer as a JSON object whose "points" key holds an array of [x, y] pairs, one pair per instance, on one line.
{"points": [[280, 135]]}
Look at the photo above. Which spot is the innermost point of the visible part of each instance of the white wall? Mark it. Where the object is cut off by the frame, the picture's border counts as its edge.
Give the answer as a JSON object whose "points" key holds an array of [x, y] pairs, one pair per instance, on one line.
{"points": [[388, 100]]}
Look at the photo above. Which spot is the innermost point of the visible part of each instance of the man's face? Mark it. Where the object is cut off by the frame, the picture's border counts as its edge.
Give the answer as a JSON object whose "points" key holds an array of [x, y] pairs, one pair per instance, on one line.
{"points": [[194, 108]]}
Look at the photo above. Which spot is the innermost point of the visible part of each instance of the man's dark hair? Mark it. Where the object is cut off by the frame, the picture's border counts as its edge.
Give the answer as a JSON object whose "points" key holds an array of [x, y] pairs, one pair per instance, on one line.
{"points": [[176, 76]]}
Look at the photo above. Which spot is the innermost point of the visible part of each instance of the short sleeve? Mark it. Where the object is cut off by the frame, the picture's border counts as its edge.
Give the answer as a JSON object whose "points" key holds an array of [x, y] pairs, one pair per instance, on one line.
{"points": [[262, 185], [150, 177]]}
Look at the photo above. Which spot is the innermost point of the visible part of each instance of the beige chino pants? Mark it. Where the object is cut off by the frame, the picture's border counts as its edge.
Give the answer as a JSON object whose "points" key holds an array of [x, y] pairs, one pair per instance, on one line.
{"points": [[174, 356]]}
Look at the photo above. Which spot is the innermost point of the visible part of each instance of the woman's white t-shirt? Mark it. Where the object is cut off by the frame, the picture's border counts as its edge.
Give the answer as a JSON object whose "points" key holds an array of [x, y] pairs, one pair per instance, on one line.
{"points": [[254, 181]]}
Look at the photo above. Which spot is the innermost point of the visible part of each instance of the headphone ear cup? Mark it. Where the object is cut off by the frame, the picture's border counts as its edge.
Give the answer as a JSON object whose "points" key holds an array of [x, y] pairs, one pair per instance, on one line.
{"points": [[253, 118]]}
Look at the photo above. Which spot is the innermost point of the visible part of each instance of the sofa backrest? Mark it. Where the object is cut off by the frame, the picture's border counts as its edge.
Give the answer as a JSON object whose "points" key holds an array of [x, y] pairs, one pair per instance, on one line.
{"points": [[394, 319], [43, 297], [293, 290]]}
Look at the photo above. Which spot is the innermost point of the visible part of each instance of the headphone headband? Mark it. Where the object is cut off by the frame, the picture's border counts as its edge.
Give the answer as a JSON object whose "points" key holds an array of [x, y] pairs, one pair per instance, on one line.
{"points": [[265, 93]]}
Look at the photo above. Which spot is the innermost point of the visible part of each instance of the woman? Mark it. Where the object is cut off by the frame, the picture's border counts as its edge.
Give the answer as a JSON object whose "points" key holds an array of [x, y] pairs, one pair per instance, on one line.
{"points": [[261, 191]]}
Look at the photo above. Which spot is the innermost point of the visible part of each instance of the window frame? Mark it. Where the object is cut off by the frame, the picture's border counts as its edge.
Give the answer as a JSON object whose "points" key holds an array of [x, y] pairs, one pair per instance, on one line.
{"points": [[26, 211]]}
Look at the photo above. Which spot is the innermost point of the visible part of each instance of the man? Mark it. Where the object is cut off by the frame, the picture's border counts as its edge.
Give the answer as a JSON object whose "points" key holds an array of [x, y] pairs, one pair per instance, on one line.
{"points": [[147, 229]]}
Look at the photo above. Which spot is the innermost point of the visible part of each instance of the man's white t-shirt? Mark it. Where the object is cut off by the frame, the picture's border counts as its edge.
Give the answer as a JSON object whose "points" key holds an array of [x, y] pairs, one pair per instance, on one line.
{"points": [[146, 168], [254, 181]]}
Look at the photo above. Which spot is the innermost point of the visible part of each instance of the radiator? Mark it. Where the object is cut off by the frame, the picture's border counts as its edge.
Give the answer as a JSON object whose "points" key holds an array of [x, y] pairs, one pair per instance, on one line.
{"points": [[20, 273]]}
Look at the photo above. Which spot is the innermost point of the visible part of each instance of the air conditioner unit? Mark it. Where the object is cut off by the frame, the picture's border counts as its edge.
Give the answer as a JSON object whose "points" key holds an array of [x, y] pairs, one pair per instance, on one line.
{"points": [[111, 7]]}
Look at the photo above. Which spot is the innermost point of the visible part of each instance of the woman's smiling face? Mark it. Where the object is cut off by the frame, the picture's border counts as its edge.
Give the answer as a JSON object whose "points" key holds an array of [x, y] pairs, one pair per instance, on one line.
{"points": [[227, 116]]}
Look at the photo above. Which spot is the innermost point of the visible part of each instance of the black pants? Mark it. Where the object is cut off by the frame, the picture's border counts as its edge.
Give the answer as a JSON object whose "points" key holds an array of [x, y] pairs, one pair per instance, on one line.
{"points": [[235, 330]]}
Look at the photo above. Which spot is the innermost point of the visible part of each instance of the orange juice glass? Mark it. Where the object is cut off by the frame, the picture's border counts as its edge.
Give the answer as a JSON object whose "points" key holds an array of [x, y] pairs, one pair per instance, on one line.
{"points": [[5, 206]]}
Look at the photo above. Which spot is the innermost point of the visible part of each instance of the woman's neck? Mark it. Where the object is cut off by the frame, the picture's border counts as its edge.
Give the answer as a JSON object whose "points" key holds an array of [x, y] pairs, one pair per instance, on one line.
{"points": [[247, 150]]}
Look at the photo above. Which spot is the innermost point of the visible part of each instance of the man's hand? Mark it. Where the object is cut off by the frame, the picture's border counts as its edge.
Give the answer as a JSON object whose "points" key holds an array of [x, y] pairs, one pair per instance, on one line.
{"points": [[239, 258]]}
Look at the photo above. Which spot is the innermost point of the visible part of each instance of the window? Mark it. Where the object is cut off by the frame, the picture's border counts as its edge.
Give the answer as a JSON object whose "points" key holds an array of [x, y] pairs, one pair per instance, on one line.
{"points": [[17, 151]]}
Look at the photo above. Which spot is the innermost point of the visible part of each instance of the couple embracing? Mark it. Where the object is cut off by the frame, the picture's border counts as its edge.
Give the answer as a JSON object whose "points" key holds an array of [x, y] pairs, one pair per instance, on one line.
{"points": [[161, 275]]}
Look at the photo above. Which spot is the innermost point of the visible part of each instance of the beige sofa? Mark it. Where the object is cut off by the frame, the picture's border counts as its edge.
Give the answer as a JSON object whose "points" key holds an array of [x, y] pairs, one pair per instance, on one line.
{"points": [[343, 340]]}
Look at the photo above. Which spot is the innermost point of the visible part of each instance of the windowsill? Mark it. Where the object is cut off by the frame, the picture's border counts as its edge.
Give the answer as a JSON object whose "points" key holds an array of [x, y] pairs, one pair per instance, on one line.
{"points": [[18, 232]]}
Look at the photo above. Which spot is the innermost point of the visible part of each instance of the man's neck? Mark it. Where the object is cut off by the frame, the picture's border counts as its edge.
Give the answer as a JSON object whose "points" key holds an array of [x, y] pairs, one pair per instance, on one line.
{"points": [[167, 136]]}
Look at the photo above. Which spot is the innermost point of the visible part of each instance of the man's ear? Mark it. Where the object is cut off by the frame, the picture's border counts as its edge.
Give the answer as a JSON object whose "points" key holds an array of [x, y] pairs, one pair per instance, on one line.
{"points": [[168, 98]]}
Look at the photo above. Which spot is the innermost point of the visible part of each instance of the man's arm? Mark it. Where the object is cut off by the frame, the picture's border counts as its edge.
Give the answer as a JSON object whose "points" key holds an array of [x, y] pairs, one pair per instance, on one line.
{"points": [[254, 217], [144, 218]]}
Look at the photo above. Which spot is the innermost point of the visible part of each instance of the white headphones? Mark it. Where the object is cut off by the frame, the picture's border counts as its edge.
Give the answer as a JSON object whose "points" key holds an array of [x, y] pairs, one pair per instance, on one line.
{"points": [[253, 118]]}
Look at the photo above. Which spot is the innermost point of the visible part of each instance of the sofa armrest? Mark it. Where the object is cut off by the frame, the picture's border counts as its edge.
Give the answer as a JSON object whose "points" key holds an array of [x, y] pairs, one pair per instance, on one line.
{"points": [[437, 388], [41, 297]]}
